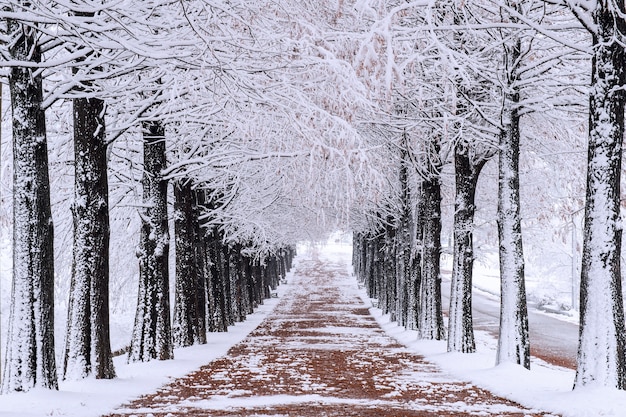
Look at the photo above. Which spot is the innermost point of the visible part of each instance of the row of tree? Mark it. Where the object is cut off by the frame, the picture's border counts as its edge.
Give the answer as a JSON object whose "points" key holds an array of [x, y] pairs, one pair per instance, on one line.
{"points": [[284, 119], [467, 78], [86, 54]]}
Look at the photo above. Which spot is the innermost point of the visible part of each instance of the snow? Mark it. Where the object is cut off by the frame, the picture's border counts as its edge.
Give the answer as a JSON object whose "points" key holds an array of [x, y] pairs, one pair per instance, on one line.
{"points": [[544, 387], [91, 397]]}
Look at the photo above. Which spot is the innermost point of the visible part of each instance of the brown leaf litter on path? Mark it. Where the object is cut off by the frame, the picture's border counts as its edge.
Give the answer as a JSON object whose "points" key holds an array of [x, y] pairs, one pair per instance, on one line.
{"points": [[320, 353]]}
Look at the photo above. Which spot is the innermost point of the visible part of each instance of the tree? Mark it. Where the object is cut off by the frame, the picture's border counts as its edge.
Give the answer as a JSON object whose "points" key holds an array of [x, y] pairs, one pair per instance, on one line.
{"points": [[30, 357], [152, 333], [602, 347], [430, 317], [471, 152], [88, 346], [467, 168], [406, 299], [190, 295], [513, 342]]}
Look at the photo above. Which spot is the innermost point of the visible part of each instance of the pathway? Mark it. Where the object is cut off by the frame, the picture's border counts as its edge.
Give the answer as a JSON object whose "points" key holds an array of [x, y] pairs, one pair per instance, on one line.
{"points": [[320, 353]]}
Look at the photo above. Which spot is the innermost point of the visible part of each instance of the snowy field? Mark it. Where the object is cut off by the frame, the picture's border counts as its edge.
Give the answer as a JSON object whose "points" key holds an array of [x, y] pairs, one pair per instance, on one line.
{"points": [[544, 387]]}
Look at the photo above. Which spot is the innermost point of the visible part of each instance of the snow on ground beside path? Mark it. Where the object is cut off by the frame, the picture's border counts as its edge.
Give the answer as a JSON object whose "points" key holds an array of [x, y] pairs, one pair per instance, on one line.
{"points": [[93, 397], [544, 387]]}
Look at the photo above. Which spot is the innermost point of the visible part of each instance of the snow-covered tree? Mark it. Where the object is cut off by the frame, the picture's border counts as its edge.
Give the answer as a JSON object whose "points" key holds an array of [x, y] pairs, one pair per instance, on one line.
{"points": [[88, 347], [513, 341], [30, 358], [189, 324], [602, 347], [152, 334], [472, 149]]}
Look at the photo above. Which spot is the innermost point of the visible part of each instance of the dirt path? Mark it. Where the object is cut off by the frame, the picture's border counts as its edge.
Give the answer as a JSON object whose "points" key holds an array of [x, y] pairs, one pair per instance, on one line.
{"points": [[320, 353]]}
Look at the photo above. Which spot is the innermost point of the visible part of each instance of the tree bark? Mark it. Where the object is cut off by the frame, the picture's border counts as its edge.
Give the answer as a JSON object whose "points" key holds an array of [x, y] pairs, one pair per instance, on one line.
{"points": [[240, 294], [219, 279], [602, 345], [389, 269], [513, 342], [190, 293], [415, 273], [30, 360], [371, 282], [88, 346], [152, 333], [460, 324], [403, 248], [431, 316]]}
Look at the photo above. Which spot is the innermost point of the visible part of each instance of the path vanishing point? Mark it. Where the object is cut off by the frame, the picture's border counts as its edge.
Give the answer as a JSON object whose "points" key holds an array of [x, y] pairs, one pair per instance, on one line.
{"points": [[320, 353]]}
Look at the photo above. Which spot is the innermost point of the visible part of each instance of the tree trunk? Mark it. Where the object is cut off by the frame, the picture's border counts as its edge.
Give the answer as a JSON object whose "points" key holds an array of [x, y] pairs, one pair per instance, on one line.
{"points": [[513, 342], [415, 272], [403, 248], [240, 283], [367, 262], [602, 346], [227, 282], [389, 270], [460, 324], [219, 278], [431, 316], [209, 253], [88, 346], [190, 293], [30, 360], [152, 333]]}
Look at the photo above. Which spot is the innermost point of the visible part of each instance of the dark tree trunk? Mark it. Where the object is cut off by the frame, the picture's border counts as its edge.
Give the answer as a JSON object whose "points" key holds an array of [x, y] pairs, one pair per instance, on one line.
{"points": [[152, 333], [460, 324], [260, 287], [226, 281], [87, 343], [371, 250], [249, 284], [378, 267], [431, 316], [602, 346], [209, 254], [357, 255], [513, 342], [290, 251], [240, 284], [219, 283], [403, 251], [30, 360], [267, 293], [389, 270], [415, 264], [190, 291], [88, 346], [273, 272]]}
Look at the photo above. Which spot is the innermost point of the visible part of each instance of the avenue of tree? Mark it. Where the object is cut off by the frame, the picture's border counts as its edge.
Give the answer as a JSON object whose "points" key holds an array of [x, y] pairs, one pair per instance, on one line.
{"points": [[219, 134]]}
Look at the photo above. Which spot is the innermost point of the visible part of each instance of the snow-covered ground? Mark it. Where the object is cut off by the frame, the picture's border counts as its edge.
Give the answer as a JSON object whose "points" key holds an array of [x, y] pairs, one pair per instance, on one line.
{"points": [[91, 397], [544, 387]]}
